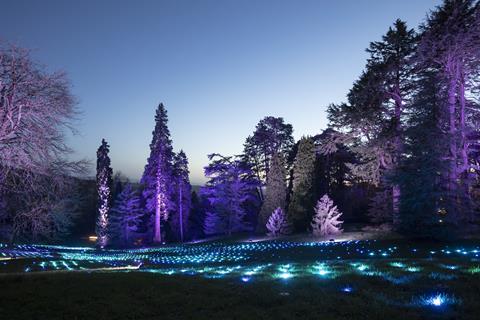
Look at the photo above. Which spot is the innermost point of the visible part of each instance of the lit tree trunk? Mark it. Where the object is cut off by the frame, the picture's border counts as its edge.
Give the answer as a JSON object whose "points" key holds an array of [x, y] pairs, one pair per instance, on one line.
{"points": [[181, 211], [452, 86], [158, 207], [396, 192]]}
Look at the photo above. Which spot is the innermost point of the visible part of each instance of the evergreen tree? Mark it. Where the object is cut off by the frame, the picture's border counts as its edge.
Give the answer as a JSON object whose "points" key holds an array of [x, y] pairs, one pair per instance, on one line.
{"points": [[278, 224], [325, 221], [423, 175], [182, 197], [197, 216], [231, 193], [275, 193], [104, 195], [126, 216], [157, 178], [373, 120], [272, 136], [300, 207], [450, 45]]}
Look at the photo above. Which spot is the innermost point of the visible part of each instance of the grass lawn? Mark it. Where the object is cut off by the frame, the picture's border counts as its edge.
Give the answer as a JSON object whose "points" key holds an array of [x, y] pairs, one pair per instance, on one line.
{"points": [[264, 280]]}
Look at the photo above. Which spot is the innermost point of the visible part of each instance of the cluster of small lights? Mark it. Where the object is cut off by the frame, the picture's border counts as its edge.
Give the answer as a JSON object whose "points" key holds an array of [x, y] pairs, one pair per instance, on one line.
{"points": [[254, 261]]}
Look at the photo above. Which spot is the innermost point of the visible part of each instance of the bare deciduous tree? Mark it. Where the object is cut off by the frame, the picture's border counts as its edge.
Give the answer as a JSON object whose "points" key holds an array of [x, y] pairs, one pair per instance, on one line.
{"points": [[36, 111]]}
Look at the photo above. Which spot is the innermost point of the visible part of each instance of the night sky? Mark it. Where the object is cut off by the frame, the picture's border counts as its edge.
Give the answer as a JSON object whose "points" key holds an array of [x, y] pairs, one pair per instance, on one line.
{"points": [[218, 66]]}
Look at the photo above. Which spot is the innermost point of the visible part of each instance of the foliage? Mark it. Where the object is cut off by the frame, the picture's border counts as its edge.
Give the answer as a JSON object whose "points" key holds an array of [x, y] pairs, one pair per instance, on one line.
{"points": [[104, 192], [231, 192], [272, 136], [325, 221], [125, 217], [182, 197], [157, 176], [37, 110], [278, 224], [299, 209], [275, 193]]}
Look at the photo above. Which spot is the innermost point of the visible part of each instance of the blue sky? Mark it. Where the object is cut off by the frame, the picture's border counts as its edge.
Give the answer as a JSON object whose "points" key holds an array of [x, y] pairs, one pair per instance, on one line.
{"points": [[219, 66]]}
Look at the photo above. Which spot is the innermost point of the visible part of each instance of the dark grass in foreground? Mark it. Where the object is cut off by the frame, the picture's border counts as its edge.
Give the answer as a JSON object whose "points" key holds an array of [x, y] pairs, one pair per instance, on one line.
{"points": [[152, 296]]}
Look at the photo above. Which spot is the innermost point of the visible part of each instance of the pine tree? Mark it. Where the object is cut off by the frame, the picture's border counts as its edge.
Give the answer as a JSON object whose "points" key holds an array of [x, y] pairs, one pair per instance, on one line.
{"points": [[300, 207], [157, 178], [275, 193], [374, 117], [278, 224], [325, 221], [182, 197], [231, 192], [272, 136], [214, 224], [104, 188], [126, 216], [423, 175], [450, 45], [197, 216]]}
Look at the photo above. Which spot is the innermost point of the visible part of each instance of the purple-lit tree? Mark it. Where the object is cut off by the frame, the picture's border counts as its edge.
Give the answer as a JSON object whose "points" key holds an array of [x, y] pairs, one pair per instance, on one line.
{"points": [[179, 222], [275, 191], [373, 120], [37, 109], [157, 178], [326, 219], [231, 192], [125, 216], [450, 45], [104, 193]]}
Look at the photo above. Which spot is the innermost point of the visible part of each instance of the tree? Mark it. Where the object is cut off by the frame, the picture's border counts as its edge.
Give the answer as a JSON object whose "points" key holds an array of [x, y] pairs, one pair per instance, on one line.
{"points": [[197, 216], [231, 193], [275, 193], [278, 223], [373, 120], [423, 175], [37, 109], [104, 193], [450, 45], [126, 216], [299, 209], [157, 177], [182, 196], [271, 136], [325, 221]]}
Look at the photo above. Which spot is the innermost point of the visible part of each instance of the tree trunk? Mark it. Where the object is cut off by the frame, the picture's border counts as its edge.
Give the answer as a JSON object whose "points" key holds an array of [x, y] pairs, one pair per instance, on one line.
{"points": [[181, 212]]}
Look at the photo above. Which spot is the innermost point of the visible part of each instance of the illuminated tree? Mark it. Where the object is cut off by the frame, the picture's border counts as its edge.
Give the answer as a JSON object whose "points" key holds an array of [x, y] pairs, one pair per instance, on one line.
{"points": [[104, 189], [157, 177], [278, 223], [300, 207], [275, 193], [232, 194], [373, 119], [179, 222], [37, 110], [326, 219], [450, 45], [125, 216]]}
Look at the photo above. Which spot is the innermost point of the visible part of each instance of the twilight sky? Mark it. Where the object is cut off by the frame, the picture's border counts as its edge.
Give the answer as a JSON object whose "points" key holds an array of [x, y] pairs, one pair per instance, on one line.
{"points": [[219, 66]]}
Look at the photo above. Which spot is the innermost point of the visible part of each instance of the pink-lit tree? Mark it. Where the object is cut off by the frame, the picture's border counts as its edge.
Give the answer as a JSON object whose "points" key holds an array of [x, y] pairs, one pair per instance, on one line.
{"points": [[326, 219], [104, 193]]}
